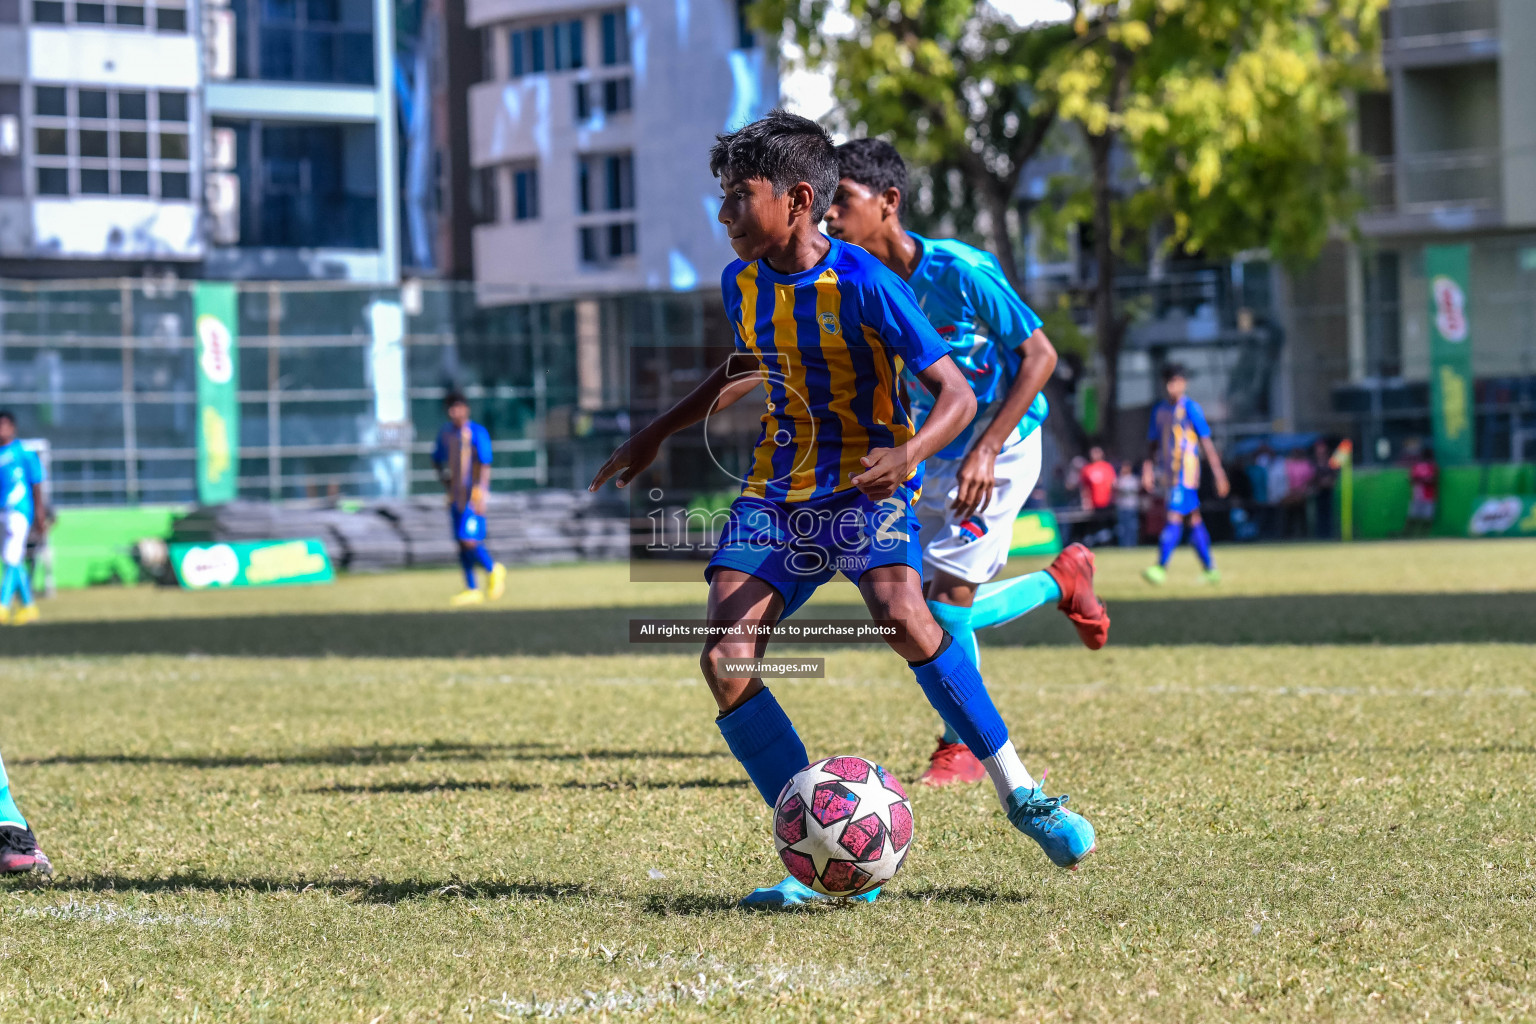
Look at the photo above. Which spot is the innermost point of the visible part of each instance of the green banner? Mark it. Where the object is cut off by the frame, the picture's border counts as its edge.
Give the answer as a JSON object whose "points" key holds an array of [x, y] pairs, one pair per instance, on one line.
{"points": [[1448, 268], [250, 563], [1504, 516], [215, 315], [1035, 533]]}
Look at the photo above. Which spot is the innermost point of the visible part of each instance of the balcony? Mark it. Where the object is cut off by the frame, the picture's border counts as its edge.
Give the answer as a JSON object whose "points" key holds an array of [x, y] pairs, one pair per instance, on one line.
{"points": [[1426, 32], [1452, 190]]}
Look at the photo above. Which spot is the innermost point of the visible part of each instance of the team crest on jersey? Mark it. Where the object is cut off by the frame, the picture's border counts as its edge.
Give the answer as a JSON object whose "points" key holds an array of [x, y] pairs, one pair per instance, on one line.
{"points": [[829, 323], [972, 529]]}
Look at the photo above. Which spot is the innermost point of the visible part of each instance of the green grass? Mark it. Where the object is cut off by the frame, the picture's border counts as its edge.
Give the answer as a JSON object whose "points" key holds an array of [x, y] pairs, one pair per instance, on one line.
{"points": [[1314, 788]]}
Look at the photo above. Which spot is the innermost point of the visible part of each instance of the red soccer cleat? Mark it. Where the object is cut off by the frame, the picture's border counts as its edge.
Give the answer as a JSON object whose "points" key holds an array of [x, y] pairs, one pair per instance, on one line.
{"points": [[950, 763], [19, 853], [1073, 573]]}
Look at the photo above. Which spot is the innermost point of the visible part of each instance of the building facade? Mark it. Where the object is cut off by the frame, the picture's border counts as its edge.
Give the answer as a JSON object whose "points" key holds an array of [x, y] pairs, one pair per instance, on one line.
{"points": [[589, 139]]}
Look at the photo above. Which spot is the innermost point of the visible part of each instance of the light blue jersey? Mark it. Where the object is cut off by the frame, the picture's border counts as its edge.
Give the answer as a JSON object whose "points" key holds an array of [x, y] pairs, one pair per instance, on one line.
{"points": [[19, 470], [969, 301]]}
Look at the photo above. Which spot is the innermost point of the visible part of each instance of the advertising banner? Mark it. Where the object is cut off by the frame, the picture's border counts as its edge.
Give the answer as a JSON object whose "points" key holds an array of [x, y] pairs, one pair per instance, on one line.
{"points": [[1035, 533], [215, 319], [1448, 268], [252, 563], [1503, 516]]}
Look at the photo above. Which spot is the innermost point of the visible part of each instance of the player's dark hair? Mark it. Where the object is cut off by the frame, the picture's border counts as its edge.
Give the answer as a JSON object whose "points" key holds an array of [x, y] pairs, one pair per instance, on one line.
{"points": [[784, 149], [1173, 370], [453, 398], [5, 414], [875, 164]]}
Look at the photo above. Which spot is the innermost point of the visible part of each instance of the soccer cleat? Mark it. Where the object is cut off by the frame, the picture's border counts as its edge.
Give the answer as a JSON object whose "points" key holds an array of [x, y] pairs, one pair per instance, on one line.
{"points": [[467, 597], [1065, 836], [1155, 575], [952, 762], [497, 584], [27, 613], [1073, 572], [1212, 576], [792, 893], [19, 853]]}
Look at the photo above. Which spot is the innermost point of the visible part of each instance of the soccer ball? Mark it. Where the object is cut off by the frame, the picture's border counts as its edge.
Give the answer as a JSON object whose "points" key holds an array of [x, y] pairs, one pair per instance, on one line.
{"points": [[843, 826]]}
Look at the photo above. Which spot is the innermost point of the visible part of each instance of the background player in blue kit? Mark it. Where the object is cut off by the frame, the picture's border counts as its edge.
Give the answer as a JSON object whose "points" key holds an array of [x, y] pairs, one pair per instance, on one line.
{"points": [[462, 456], [22, 512], [827, 329], [1176, 437], [975, 486]]}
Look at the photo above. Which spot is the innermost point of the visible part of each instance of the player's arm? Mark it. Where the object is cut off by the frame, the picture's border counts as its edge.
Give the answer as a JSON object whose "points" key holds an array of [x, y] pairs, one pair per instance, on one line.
{"points": [[482, 485], [721, 389], [977, 477], [40, 514], [954, 406], [1208, 448]]}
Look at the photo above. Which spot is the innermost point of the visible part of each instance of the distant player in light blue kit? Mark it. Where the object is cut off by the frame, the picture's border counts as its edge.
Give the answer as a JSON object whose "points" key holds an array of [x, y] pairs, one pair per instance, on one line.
{"points": [[976, 485], [22, 512], [1176, 437], [462, 456]]}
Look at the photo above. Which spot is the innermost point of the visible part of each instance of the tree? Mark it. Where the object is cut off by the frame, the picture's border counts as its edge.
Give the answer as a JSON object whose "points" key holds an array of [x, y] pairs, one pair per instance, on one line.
{"points": [[950, 82], [1236, 114]]}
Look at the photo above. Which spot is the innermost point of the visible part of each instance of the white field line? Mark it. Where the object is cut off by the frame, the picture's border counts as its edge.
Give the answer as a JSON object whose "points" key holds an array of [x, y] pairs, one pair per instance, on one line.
{"points": [[106, 913]]}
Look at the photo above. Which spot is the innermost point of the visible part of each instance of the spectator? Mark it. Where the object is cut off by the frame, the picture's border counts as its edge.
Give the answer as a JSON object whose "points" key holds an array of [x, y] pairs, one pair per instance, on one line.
{"points": [[1097, 481], [1299, 473], [1324, 480], [1128, 506], [1424, 476]]}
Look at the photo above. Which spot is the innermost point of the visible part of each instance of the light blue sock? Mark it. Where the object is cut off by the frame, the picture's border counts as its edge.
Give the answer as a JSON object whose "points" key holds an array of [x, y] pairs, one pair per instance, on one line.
{"points": [[1172, 534], [1006, 600], [8, 585], [1200, 540], [764, 740], [24, 584], [10, 814], [467, 563], [483, 557], [956, 621]]}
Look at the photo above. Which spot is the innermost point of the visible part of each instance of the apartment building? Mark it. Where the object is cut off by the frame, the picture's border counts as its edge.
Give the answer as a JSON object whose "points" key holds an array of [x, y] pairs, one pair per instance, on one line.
{"points": [[589, 139]]}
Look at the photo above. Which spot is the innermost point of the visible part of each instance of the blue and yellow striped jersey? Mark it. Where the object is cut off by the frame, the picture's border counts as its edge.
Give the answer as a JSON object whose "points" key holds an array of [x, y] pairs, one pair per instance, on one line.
{"points": [[831, 342], [1177, 427]]}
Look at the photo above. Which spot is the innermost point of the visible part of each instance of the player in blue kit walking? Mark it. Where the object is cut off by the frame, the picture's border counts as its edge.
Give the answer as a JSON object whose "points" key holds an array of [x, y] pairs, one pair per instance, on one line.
{"points": [[1176, 437], [827, 330], [975, 486], [22, 512], [462, 456]]}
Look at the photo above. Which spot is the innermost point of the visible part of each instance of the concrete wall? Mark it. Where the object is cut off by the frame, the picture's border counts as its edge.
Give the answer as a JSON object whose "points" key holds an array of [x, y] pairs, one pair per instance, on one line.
{"points": [[1517, 104]]}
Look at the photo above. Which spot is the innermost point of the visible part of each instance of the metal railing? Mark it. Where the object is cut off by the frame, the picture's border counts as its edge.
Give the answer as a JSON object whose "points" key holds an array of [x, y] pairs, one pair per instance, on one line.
{"points": [[1417, 24], [1466, 178]]}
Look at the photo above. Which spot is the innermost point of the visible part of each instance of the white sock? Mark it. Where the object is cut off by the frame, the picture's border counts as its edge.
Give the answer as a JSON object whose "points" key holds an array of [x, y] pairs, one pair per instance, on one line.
{"points": [[1007, 772]]}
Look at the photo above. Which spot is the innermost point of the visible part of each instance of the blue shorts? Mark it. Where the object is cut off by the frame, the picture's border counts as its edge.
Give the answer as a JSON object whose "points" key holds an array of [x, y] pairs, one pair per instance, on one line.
{"points": [[795, 548], [467, 524], [1183, 500]]}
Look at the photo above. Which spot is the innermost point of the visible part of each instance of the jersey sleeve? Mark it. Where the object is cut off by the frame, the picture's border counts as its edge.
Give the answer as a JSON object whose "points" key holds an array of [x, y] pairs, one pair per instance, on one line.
{"points": [[888, 305], [34, 469], [439, 450], [730, 293], [1197, 418], [482, 440], [1010, 319]]}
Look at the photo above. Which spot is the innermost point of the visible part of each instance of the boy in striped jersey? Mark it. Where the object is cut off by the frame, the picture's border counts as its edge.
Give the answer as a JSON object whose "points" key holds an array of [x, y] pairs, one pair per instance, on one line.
{"points": [[827, 330]]}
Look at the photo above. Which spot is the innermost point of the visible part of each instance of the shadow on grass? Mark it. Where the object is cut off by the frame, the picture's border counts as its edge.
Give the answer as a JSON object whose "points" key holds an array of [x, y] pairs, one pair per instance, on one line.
{"points": [[1280, 619], [472, 785], [395, 753]]}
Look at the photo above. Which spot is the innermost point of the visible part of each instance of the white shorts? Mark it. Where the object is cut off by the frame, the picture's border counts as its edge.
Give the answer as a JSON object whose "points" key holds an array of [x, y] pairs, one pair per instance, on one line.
{"points": [[14, 528], [974, 549]]}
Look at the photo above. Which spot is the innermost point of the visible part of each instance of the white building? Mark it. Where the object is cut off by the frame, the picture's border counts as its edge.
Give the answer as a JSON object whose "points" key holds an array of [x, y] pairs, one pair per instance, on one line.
{"points": [[589, 142]]}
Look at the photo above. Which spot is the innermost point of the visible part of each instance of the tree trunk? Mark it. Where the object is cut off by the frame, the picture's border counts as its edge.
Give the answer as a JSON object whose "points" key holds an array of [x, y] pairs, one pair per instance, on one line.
{"points": [[1109, 329], [1002, 239]]}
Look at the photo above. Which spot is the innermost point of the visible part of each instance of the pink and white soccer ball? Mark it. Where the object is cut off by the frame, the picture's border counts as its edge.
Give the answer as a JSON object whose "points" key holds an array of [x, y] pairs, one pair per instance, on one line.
{"points": [[843, 826]]}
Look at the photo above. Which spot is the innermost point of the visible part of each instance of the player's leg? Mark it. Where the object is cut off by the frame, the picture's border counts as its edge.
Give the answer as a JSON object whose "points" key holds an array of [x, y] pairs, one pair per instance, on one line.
{"points": [[1200, 540], [469, 533], [1168, 540], [18, 846], [953, 685], [13, 550]]}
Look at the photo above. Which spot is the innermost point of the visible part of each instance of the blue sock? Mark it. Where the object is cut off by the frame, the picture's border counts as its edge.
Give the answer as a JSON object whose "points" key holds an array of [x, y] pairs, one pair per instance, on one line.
{"points": [[467, 560], [1200, 540], [8, 585], [24, 584], [764, 740], [1006, 600], [483, 557], [952, 683], [1172, 534], [10, 814], [956, 621]]}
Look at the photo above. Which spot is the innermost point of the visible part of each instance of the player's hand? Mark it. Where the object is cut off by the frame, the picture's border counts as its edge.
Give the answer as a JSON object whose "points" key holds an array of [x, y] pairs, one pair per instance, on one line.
{"points": [[1223, 485], [628, 461], [884, 471], [975, 482], [477, 501]]}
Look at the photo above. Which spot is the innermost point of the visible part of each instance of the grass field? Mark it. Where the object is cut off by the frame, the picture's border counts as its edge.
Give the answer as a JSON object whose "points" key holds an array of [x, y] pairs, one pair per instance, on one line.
{"points": [[1314, 788]]}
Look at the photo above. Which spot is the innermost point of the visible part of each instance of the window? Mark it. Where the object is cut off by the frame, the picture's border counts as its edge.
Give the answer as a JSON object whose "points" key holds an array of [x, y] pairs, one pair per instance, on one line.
{"points": [[566, 38], [94, 152], [170, 19], [130, 15], [746, 39], [536, 49], [48, 12], [555, 46], [525, 193], [605, 182], [483, 190], [307, 185], [600, 244], [304, 40], [517, 51], [90, 14], [583, 102], [615, 37], [616, 98]]}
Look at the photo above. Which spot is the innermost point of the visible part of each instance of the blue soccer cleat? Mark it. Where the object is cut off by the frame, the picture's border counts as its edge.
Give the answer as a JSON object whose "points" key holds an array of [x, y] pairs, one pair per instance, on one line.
{"points": [[791, 893], [1065, 836]]}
